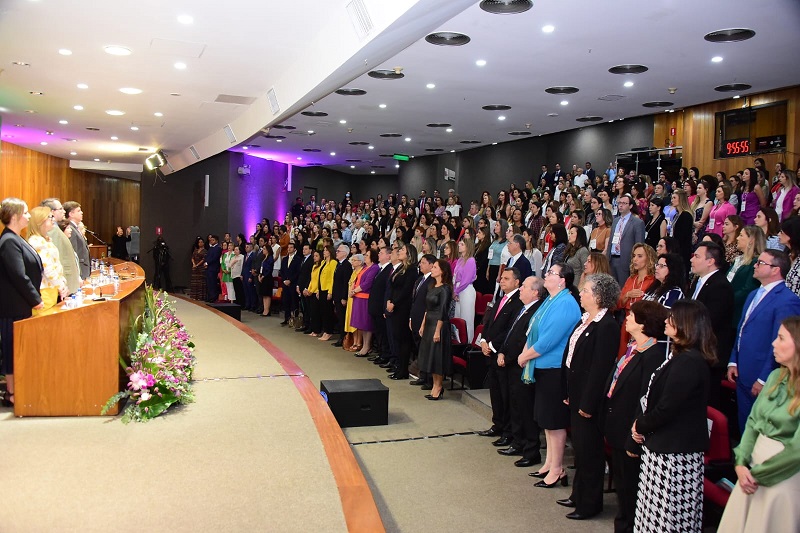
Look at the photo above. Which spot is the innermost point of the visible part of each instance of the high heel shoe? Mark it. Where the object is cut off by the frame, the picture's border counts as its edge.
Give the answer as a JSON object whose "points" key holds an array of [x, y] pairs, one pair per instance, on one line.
{"points": [[563, 479], [540, 475], [7, 399], [434, 398]]}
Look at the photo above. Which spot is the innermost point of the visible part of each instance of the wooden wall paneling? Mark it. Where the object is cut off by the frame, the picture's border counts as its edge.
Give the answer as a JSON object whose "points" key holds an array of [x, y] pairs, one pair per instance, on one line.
{"points": [[697, 133], [34, 176]]}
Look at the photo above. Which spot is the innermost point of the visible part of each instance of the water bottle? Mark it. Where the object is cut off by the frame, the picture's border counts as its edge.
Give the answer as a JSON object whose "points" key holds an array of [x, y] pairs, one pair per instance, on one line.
{"points": [[116, 283]]}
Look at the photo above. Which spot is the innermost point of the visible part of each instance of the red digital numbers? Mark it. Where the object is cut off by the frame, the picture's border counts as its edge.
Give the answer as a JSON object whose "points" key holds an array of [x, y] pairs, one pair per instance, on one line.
{"points": [[737, 147]]}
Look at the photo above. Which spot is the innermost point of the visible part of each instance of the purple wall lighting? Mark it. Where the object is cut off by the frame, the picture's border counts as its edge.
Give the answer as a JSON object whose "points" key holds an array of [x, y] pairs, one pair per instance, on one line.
{"points": [[260, 194]]}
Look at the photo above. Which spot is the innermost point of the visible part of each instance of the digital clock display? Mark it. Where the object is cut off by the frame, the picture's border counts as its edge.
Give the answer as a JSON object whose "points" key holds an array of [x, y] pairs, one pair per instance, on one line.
{"points": [[735, 147]]}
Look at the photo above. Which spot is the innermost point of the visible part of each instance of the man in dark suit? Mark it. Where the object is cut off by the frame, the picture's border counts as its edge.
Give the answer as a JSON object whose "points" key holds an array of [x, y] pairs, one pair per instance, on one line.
{"points": [[341, 289], [590, 173], [398, 309], [545, 176], [752, 357], [498, 322], [212, 268], [557, 173], [78, 241], [626, 230], [418, 312], [516, 247], [712, 289], [303, 279], [247, 278], [524, 430], [376, 307], [258, 258], [290, 270]]}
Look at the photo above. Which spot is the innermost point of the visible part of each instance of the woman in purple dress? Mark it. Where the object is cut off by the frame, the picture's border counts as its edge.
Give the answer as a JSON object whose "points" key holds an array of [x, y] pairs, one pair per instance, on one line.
{"points": [[359, 318]]}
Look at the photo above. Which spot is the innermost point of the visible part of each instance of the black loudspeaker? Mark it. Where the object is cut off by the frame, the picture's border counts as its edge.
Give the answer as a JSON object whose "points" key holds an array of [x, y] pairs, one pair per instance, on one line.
{"points": [[357, 402], [230, 309]]}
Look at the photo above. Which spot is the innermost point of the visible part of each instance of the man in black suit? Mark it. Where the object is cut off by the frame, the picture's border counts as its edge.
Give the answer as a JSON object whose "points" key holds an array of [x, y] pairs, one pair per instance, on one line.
{"points": [[590, 173], [341, 289], [398, 308], [376, 306], [290, 270], [212, 268], [495, 330], [712, 289], [558, 173], [247, 278], [546, 176], [524, 430], [303, 279], [418, 312]]}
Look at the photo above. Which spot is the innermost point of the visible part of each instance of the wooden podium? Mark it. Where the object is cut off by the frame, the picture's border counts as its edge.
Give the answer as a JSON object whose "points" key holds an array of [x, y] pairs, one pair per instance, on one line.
{"points": [[98, 251], [66, 361]]}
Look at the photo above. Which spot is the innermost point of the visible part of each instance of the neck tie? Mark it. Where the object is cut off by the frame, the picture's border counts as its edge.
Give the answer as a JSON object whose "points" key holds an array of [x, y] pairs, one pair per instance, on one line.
{"points": [[697, 289], [418, 285], [521, 312], [500, 305], [510, 263]]}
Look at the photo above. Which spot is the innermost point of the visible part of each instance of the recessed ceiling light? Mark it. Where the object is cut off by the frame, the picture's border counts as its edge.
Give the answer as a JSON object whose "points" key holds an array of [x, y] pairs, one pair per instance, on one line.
{"points": [[185, 19], [736, 97], [671, 110], [431, 85], [299, 158], [115, 50], [548, 29], [352, 166], [279, 140], [115, 112], [343, 121], [333, 153], [63, 122], [564, 102], [397, 165], [82, 86], [180, 65], [628, 84], [65, 52], [158, 114], [372, 172], [77, 107], [48, 132], [716, 59], [311, 131], [20, 63], [382, 106], [449, 130], [493, 144], [134, 128], [371, 147], [32, 111], [481, 62], [245, 147], [501, 117], [408, 139], [73, 153], [114, 138], [97, 159], [43, 143], [130, 90], [451, 151]]}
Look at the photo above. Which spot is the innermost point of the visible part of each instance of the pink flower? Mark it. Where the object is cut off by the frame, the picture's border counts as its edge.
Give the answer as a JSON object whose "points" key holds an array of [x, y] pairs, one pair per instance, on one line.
{"points": [[138, 380]]}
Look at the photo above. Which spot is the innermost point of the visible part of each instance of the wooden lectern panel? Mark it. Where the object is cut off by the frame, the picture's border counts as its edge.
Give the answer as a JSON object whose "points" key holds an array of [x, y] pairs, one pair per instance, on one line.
{"points": [[66, 361], [98, 251]]}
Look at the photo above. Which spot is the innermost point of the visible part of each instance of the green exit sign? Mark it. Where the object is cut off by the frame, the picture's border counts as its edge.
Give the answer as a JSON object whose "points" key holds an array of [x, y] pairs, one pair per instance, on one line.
{"points": [[401, 157]]}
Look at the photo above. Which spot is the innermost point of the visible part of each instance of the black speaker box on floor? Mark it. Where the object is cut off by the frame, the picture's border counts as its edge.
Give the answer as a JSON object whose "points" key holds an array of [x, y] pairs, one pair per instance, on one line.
{"points": [[357, 402], [230, 309]]}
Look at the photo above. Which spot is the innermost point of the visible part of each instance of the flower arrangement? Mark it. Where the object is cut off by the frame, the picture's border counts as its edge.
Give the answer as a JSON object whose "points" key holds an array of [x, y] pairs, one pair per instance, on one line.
{"points": [[161, 362]]}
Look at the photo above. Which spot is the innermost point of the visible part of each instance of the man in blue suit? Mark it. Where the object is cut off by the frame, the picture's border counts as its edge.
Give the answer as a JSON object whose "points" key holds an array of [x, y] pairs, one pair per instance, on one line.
{"points": [[764, 310], [212, 268]]}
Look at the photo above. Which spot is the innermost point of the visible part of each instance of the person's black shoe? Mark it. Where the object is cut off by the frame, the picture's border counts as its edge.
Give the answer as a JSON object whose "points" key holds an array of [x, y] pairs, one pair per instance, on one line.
{"points": [[379, 361], [338, 344], [391, 369], [491, 432], [427, 386], [372, 358], [387, 364], [527, 462], [360, 355], [566, 502], [397, 376], [417, 382], [510, 451], [575, 515], [502, 441], [284, 323]]}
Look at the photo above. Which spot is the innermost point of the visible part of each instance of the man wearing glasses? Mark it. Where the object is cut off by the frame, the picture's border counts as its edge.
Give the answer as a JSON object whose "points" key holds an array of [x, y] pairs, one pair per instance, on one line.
{"points": [[66, 254], [764, 310], [626, 230]]}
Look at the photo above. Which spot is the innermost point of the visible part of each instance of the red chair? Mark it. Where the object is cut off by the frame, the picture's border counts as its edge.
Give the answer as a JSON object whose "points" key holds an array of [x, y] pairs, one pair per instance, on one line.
{"points": [[458, 347], [719, 448], [478, 332], [481, 303]]}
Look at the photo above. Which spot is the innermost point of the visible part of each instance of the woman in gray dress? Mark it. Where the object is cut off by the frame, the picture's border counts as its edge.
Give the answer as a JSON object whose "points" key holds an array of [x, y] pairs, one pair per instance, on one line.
{"points": [[434, 347]]}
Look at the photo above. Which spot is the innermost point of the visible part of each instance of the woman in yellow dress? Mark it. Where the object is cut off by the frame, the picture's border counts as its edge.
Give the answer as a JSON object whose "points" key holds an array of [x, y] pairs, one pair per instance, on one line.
{"points": [[53, 281], [357, 260]]}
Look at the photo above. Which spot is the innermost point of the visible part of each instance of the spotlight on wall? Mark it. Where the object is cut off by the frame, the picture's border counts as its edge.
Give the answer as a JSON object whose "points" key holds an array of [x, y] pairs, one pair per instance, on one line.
{"points": [[157, 160]]}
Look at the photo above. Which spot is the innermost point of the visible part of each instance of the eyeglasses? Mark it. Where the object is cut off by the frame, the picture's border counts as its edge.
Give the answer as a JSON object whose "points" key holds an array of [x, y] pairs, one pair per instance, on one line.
{"points": [[552, 272], [660, 265], [760, 262]]}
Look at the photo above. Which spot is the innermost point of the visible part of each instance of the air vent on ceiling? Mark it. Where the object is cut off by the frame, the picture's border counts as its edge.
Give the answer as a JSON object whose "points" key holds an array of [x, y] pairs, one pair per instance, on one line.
{"points": [[730, 35], [284, 127], [447, 38], [657, 104], [377, 166], [434, 150], [90, 128], [589, 118], [229, 133], [233, 99], [193, 150], [611, 97], [353, 160], [391, 135], [733, 88], [387, 155], [311, 150], [519, 133], [314, 113], [350, 91], [551, 115], [313, 164], [628, 69], [386, 75], [359, 143], [270, 136], [496, 107], [471, 141], [359, 17], [299, 132], [439, 125], [506, 7], [273, 101], [561, 89], [143, 149]]}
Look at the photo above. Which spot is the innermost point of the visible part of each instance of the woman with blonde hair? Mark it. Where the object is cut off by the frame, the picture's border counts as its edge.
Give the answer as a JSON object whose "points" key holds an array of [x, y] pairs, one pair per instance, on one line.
{"points": [[643, 269], [596, 263], [464, 275], [53, 281], [765, 495], [683, 226], [751, 243]]}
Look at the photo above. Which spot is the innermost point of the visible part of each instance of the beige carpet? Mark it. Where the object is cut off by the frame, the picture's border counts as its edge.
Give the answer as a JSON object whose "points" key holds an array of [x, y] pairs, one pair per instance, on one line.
{"points": [[245, 457]]}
